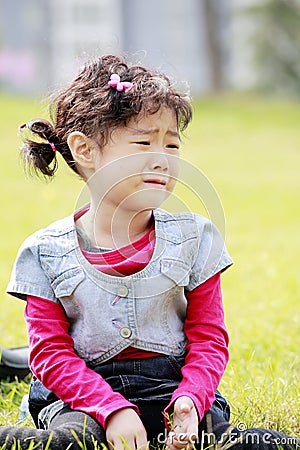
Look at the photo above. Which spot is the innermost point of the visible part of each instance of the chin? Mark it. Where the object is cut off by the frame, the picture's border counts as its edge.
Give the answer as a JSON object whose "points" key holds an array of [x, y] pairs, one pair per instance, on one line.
{"points": [[147, 200]]}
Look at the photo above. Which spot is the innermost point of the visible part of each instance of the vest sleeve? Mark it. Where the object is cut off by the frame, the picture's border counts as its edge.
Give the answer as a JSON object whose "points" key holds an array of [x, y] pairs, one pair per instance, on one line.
{"points": [[28, 276], [211, 255]]}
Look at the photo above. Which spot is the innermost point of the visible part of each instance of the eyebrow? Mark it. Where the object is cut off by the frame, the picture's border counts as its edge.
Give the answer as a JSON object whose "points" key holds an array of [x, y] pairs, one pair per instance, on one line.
{"points": [[145, 131]]}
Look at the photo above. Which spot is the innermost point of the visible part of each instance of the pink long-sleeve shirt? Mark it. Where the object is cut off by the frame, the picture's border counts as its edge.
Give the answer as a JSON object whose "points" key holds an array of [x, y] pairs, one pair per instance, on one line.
{"points": [[54, 362]]}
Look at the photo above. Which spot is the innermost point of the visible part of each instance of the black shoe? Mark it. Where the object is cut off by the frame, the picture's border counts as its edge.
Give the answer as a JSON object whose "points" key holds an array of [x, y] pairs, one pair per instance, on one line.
{"points": [[14, 363]]}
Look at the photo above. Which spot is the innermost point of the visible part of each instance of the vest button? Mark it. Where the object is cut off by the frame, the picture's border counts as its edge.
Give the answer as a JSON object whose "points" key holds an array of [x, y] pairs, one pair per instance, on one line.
{"points": [[123, 291], [125, 332]]}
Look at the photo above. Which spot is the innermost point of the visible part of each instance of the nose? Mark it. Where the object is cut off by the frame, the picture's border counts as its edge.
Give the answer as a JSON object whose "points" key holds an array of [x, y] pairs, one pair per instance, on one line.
{"points": [[159, 161]]}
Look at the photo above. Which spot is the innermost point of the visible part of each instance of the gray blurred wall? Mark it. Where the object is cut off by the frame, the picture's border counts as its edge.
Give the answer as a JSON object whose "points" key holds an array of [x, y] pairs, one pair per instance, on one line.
{"points": [[43, 42]]}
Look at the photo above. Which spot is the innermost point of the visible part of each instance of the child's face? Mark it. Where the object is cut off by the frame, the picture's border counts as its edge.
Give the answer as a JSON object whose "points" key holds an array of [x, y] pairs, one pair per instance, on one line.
{"points": [[137, 169]]}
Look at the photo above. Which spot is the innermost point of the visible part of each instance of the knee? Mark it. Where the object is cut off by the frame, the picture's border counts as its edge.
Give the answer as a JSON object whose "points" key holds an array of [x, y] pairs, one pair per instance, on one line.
{"points": [[79, 429]]}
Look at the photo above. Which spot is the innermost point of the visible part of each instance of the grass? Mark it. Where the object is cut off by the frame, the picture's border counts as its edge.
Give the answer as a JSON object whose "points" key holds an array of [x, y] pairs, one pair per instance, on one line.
{"points": [[248, 148]]}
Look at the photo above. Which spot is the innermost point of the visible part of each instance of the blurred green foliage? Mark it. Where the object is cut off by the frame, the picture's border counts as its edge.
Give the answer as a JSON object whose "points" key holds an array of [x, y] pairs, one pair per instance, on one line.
{"points": [[276, 44]]}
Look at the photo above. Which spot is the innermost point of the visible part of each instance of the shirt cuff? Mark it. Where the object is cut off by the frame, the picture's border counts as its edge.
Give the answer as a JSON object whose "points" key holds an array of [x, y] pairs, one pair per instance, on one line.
{"points": [[114, 406]]}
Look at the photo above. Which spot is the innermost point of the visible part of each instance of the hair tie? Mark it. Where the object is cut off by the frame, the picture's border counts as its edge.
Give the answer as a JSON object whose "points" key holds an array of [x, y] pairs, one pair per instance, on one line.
{"points": [[118, 84], [52, 146]]}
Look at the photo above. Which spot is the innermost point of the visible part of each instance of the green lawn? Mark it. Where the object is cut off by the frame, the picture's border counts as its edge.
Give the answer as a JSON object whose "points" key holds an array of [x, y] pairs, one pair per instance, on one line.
{"points": [[249, 150]]}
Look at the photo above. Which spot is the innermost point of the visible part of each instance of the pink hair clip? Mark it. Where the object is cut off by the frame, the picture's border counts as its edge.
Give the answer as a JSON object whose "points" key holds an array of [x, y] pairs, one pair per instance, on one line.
{"points": [[52, 146], [118, 84]]}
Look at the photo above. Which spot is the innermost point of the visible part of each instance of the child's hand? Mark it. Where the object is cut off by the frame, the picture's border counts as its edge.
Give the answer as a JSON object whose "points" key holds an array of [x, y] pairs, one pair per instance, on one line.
{"points": [[125, 428], [185, 425]]}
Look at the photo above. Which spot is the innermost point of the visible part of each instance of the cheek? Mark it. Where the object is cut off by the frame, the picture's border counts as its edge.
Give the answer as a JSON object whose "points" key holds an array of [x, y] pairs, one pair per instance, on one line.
{"points": [[171, 185], [128, 168], [119, 173], [174, 170]]}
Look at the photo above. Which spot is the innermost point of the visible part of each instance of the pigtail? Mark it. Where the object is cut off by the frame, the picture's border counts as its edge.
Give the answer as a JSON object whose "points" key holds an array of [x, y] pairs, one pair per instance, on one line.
{"points": [[40, 144]]}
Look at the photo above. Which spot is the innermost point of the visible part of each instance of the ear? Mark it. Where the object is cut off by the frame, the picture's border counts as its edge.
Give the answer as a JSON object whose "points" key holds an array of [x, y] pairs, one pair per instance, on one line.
{"points": [[83, 149]]}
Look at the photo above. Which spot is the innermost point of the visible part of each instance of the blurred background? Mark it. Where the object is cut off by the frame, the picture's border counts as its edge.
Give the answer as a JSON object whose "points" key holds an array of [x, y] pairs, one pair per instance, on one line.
{"points": [[214, 45], [241, 60]]}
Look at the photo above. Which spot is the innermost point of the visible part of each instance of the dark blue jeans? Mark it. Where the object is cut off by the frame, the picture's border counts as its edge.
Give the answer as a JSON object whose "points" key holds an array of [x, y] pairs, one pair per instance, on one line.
{"points": [[148, 383]]}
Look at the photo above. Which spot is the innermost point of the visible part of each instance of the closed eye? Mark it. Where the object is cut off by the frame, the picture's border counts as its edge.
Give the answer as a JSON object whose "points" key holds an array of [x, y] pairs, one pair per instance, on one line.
{"points": [[173, 148], [142, 142]]}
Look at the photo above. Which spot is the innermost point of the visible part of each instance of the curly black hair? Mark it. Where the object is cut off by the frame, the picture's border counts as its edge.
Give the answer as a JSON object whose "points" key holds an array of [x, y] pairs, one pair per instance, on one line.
{"points": [[91, 106]]}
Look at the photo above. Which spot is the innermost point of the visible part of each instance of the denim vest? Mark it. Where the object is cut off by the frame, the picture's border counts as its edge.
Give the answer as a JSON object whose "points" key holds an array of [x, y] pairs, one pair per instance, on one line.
{"points": [[108, 313]]}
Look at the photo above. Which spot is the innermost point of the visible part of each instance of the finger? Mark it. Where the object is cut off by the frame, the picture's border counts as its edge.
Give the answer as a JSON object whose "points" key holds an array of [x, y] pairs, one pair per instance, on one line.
{"points": [[176, 441], [142, 446], [193, 438], [186, 401], [185, 408], [141, 442], [182, 445], [111, 445], [178, 446], [121, 444], [184, 439]]}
